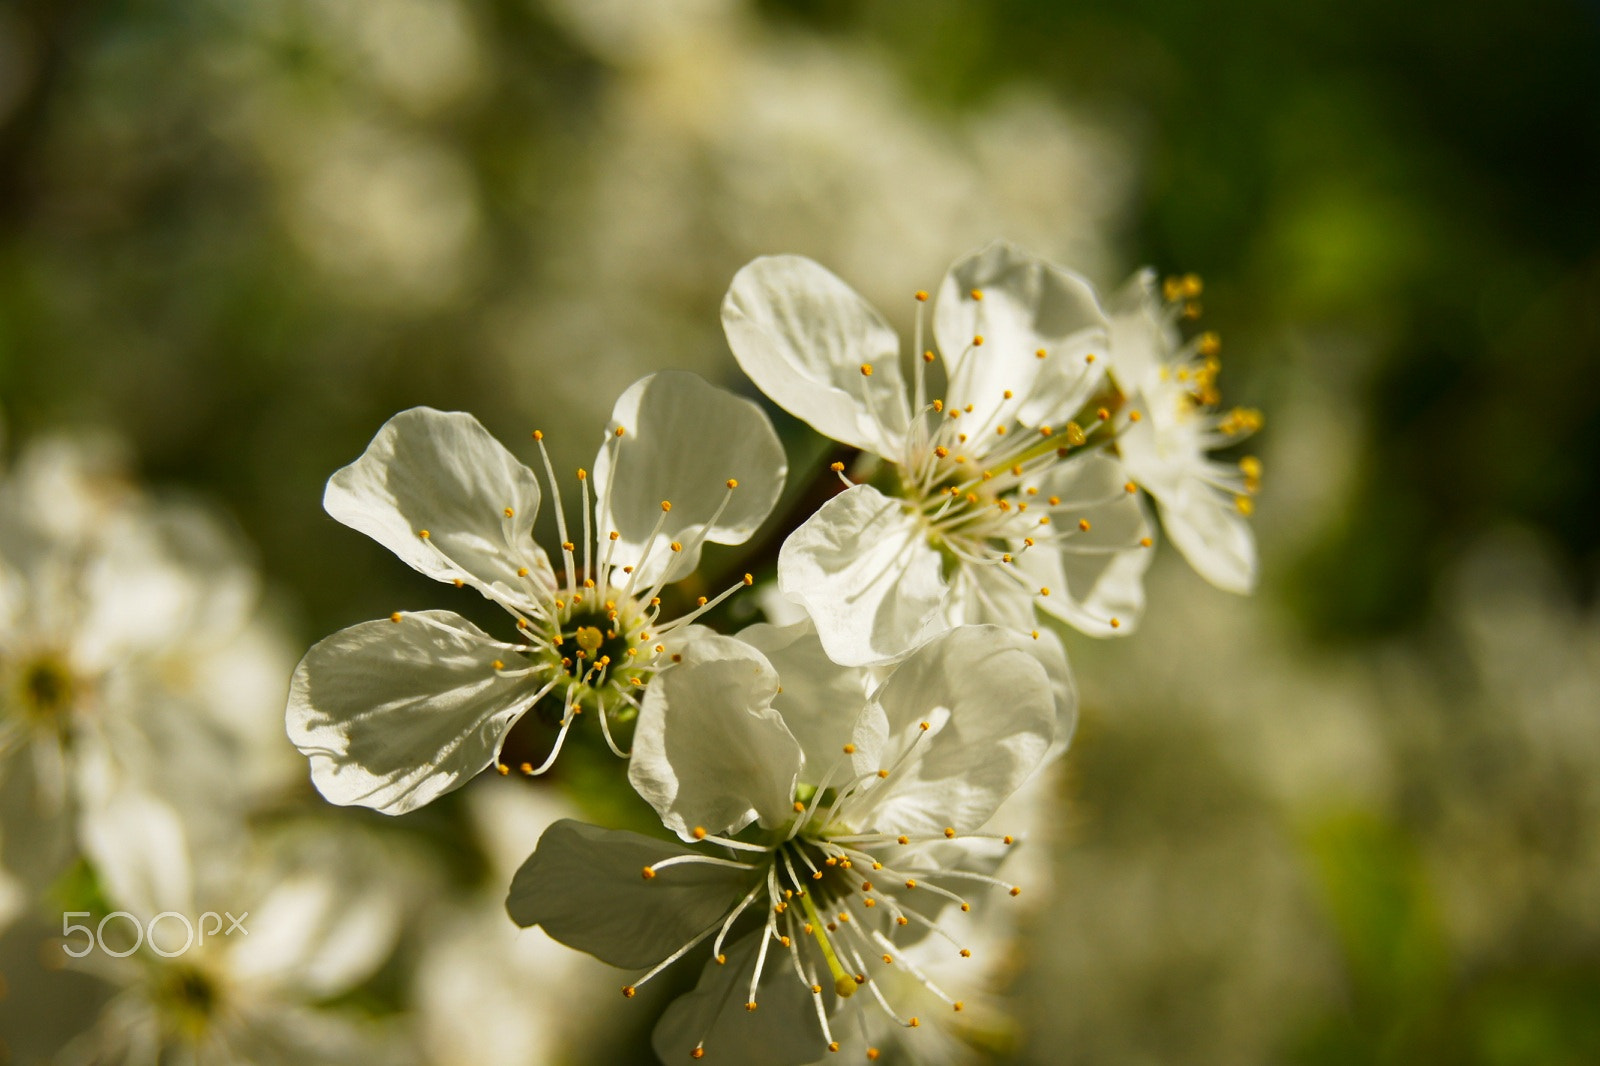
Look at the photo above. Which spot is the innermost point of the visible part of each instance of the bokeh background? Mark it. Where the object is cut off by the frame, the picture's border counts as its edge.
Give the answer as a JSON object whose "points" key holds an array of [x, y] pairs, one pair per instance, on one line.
{"points": [[1355, 818]]}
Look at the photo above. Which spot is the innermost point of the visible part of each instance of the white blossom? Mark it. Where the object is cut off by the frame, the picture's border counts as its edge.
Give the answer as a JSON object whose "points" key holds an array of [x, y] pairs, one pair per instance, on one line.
{"points": [[1002, 496], [1203, 502], [835, 820], [394, 712]]}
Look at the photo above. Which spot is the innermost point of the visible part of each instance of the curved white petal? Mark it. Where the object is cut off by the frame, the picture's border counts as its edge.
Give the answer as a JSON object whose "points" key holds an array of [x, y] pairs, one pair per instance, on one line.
{"points": [[818, 699], [1094, 575], [862, 568], [1141, 335], [991, 717], [584, 886], [802, 335], [783, 1031], [1027, 306], [442, 472], [393, 714], [709, 751], [682, 441], [1208, 529]]}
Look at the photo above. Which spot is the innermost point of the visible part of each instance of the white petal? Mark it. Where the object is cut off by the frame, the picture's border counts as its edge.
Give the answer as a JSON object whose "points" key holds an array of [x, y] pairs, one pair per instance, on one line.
{"points": [[992, 717], [803, 335], [1143, 338], [819, 700], [316, 935], [139, 850], [682, 441], [1027, 306], [392, 714], [1096, 575], [584, 886], [1211, 533], [709, 751], [863, 569], [1050, 654], [442, 472], [783, 1031]]}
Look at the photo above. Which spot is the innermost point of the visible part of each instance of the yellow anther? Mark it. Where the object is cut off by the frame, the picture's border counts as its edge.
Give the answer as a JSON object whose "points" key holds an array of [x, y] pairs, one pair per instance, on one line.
{"points": [[927, 357], [509, 513], [522, 571], [1191, 285], [648, 874], [887, 959], [834, 1045], [498, 665], [1209, 344], [1244, 505], [1075, 435], [922, 296], [872, 1054], [722, 960], [949, 833], [628, 991], [749, 580], [1172, 289], [457, 582], [1040, 354], [1083, 525], [537, 435], [942, 452], [966, 908], [502, 769], [424, 534], [938, 405], [957, 1005], [750, 1006], [1089, 358], [976, 294], [977, 341], [1044, 591], [613, 535], [849, 749], [1250, 466], [698, 1053], [732, 482], [837, 468], [526, 768], [1008, 839], [924, 726], [582, 473], [1130, 488], [1000, 430], [675, 546], [902, 920], [1016, 890], [883, 773], [866, 370], [1116, 623], [798, 806], [1145, 542], [700, 601], [914, 1021], [1027, 541], [1102, 414], [966, 953], [666, 505], [619, 431], [1054, 501], [1134, 416], [699, 832], [816, 990], [903, 840]]}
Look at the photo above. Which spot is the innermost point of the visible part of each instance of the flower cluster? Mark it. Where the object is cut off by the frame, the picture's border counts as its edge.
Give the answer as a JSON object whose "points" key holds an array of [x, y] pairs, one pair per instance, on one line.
{"points": [[831, 776]]}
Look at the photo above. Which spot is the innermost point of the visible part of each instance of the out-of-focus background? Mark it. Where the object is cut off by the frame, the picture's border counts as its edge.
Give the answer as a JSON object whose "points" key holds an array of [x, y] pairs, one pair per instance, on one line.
{"points": [[1355, 818]]}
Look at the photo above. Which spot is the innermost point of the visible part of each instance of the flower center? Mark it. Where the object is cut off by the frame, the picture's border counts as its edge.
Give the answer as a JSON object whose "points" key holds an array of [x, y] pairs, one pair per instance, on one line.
{"points": [[188, 999], [44, 689]]}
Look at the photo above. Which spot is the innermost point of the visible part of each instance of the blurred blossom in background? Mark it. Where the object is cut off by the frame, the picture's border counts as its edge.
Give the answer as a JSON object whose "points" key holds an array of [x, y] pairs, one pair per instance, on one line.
{"points": [[1355, 818]]}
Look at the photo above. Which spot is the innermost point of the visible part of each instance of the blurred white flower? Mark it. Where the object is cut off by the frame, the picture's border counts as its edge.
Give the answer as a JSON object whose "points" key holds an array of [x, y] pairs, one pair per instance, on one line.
{"points": [[867, 810], [129, 644], [239, 943], [486, 993], [998, 502], [394, 712], [1172, 385]]}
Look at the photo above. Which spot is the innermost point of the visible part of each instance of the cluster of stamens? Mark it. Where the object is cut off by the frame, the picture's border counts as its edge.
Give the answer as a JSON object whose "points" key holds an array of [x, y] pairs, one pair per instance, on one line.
{"points": [[838, 889], [591, 636], [975, 480]]}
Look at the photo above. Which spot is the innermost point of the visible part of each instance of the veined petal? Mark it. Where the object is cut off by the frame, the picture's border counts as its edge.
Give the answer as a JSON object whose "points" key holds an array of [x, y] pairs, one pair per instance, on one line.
{"points": [[818, 699], [1208, 529], [1027, 306], [783, 1031], [991, 717], [682, 441], [709, 751], [393, 714], [804, 337], [1095, 575], [863, 569], [582, 884], [443, 472]]}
